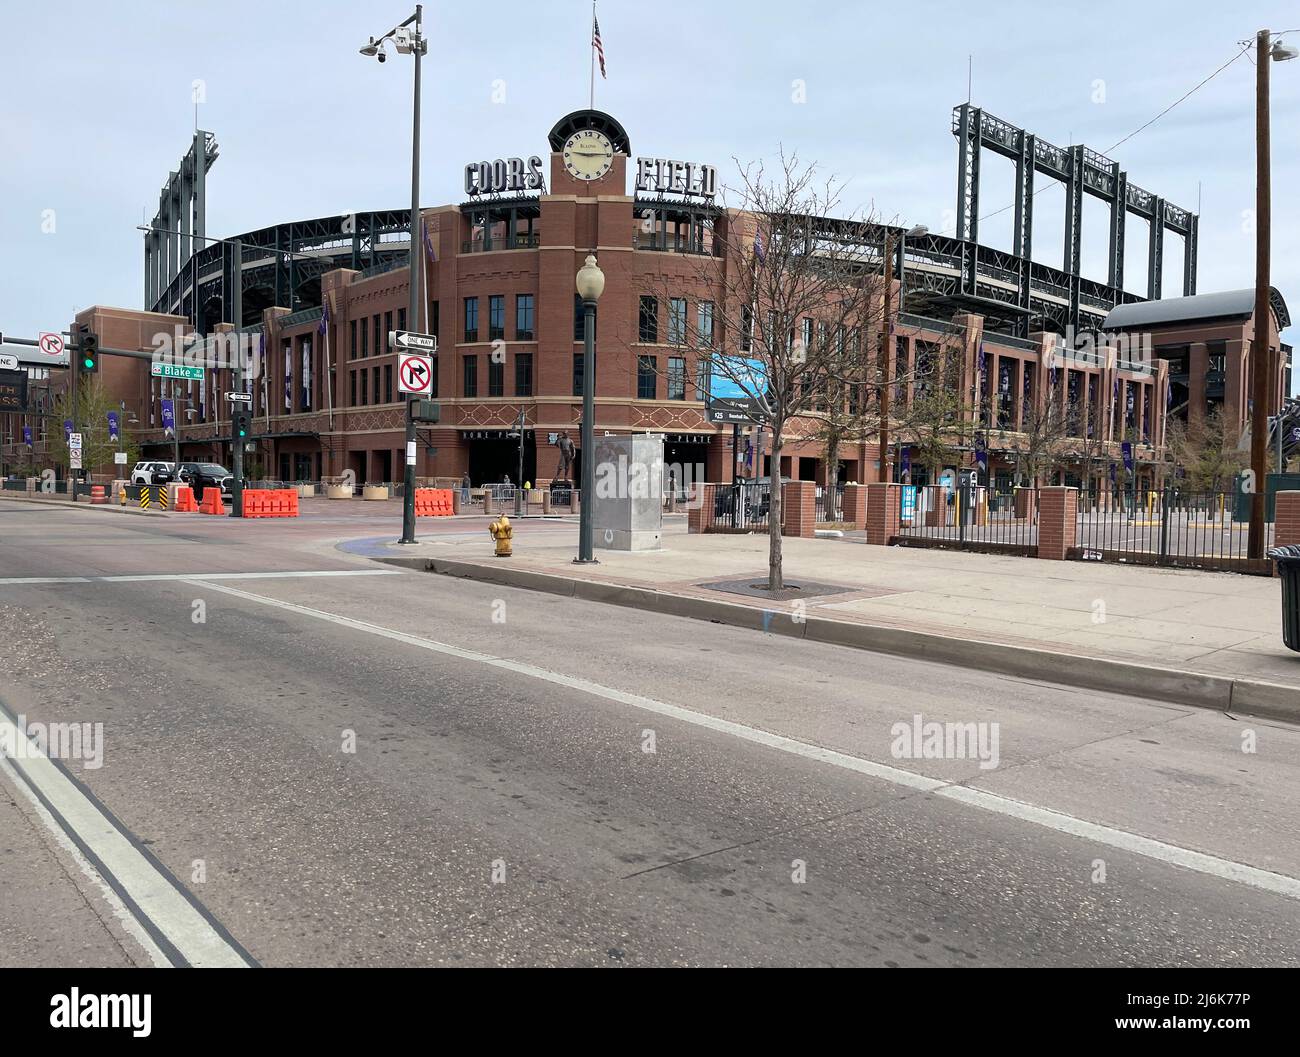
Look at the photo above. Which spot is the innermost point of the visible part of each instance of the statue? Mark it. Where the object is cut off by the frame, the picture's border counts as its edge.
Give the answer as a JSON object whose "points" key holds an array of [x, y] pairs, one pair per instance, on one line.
{"points": [[565, 444]]}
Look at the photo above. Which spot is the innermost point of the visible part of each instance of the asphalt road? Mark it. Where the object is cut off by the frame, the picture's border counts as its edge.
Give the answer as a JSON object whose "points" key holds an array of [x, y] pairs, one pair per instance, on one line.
{"points": [[380, 767]]}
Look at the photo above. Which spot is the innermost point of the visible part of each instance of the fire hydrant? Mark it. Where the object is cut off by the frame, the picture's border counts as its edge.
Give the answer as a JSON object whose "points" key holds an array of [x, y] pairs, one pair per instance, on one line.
{"points": [[501, 531]]}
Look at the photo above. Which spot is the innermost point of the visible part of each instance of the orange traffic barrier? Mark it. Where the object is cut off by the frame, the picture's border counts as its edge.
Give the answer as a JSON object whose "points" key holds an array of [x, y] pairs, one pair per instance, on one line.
{"points": [[97, 495], [211, 503], [433, 502], [270, 502], [185, 503]]}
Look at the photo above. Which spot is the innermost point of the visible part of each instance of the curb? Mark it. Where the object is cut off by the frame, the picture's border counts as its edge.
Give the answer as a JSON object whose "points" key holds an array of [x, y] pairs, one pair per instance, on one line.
{"points": [[1219, 692], [67, 504]]}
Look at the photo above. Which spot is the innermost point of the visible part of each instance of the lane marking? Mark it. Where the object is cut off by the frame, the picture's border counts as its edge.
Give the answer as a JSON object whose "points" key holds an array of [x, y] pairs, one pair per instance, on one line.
{"points": [[133, 578], [181, 932], [118, 908], [1148, 847]]}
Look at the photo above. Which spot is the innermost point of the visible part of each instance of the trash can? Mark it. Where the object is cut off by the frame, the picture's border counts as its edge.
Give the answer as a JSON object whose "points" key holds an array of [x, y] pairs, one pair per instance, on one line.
{"points": [[1288, 568]]}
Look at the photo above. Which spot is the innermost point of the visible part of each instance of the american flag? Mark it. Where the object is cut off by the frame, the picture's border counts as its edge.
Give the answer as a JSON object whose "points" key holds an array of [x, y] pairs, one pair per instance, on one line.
{"points": [[595, 42]]}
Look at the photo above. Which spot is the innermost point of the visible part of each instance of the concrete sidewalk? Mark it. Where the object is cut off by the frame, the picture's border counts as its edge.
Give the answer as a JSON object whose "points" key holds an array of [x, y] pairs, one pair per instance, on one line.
{"points": [[1168, 622]]}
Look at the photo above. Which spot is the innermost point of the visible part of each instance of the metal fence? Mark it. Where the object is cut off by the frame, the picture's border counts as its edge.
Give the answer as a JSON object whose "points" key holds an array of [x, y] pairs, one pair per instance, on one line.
{"points": [[828, 509], [740, 507], [1200, 530], [975, 519]]}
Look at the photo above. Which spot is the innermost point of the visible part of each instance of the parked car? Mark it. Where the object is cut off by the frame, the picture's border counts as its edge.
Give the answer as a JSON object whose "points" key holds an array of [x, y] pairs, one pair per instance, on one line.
{"points": [[203, 475], [153, 472]]}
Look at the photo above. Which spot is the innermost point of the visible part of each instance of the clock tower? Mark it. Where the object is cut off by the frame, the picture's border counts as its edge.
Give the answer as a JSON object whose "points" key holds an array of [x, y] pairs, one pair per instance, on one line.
{"points": [[589, 152]]}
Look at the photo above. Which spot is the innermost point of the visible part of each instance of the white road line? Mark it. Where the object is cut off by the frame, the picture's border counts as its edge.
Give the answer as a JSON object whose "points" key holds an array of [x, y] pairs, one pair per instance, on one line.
{"points": [[1148, 847], [157, 897], [133, 578], [133, 928]]}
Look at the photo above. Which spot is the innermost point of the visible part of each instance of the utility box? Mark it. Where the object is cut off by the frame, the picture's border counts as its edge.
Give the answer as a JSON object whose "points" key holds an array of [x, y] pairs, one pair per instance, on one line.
{"points": [[627, 507]]}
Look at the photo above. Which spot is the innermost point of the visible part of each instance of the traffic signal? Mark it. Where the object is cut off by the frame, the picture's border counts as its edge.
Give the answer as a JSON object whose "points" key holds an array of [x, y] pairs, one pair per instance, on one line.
{"points": [[88, 350], [242, 424]]}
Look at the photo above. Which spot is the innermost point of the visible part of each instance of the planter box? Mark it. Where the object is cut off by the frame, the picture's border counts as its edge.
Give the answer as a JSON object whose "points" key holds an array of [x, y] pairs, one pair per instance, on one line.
{"points": [[375, 492], [306, 491], [338, 491]]}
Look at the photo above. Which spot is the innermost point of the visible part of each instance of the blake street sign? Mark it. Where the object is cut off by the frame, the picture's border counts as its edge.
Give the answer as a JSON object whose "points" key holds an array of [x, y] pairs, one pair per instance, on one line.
{"points": [[175, 370]]}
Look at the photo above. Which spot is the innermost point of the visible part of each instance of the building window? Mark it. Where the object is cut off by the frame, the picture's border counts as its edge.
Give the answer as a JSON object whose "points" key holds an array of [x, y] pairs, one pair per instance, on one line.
{"points": [[376, 342], [471, 319], [401, 319], [388, 382], [577, 373], [746, 328], [523, 317], [433, 318], [496, 317], [353, 378], [471, 376], [648, 328], [676, 378], [376, 383], [388, 342], [705, 311], [365, 340], [352, 339], [496, 377], [365, 376], [433, 378], [523, 374], [807, 334], [578, 333], [677, 321], [645, 378]]}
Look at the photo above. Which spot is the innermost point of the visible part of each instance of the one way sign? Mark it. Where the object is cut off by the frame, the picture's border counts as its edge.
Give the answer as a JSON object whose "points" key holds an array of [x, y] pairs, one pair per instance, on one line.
{"points": [[415, 375]]}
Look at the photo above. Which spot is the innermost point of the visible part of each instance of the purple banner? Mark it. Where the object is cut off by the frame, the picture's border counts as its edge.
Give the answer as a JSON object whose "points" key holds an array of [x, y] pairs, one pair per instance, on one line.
{"points": [[112, 425], [168, 415]]}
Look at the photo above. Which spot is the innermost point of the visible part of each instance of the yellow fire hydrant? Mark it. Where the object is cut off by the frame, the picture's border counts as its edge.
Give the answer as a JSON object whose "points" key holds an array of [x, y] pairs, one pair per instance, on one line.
{"points": [[501, 531]]}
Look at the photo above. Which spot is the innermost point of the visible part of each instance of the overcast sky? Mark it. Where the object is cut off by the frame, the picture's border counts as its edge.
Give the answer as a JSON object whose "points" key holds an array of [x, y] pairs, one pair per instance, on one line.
{"points": [[96, 108]]}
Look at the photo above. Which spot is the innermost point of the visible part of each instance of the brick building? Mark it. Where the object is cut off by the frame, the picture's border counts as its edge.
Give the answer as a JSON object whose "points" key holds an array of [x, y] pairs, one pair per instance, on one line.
{"points": [[498, 293]]}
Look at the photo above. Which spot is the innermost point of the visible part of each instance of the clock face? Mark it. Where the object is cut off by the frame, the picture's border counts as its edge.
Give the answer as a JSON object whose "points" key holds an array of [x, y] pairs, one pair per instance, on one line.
{"points": [[588, 154]]}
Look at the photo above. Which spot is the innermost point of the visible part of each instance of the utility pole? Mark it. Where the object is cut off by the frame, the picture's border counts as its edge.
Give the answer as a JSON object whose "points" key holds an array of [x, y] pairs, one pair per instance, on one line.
{"points": [[1259, 353], [413, 308]]}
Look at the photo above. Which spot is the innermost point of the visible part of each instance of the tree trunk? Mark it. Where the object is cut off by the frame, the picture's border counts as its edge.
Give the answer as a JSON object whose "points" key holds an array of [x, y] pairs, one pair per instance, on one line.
{"points": [[775, 574]]}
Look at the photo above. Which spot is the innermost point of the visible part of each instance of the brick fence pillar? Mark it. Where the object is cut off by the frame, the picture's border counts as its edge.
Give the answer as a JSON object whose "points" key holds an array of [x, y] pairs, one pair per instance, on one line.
{"points": [[855, 505], [1058, 512], [1286, 520], [799, 508], [700, 514], [882, 512]]}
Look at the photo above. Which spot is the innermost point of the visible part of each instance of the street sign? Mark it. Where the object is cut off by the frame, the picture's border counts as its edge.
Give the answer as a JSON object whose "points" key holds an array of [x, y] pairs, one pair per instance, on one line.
{"points": [[119, 457], [176, 370], [76, 460], [240, 398], [74, 442], [50, 343], [7, 362], [415, 375], [406, 339]]}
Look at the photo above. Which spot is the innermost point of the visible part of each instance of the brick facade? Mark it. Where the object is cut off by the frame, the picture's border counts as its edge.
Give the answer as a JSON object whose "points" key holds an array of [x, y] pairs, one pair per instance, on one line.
{"points": [[1058, 510]]}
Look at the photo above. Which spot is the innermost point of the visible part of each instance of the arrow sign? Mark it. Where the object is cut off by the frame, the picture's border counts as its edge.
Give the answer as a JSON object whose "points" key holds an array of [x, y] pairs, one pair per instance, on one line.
{"points": [[240, 398], [406, 339], [51, 344], [415, 375]]}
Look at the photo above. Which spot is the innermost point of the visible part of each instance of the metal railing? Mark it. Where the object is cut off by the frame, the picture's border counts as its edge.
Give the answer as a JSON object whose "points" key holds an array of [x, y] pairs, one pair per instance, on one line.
{"points": [[1199, 530], [827, 509], [740, 507], [976, 519], [523, 241]]}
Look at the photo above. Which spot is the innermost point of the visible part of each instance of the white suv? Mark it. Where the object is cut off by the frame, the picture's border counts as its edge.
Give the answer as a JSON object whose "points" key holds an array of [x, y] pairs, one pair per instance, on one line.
{"points": [[153, 473]]}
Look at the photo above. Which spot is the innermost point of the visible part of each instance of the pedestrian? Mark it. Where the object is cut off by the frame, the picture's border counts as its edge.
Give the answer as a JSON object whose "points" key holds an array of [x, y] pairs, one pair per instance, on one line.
{"points": [[464, 489], [672, 490]]}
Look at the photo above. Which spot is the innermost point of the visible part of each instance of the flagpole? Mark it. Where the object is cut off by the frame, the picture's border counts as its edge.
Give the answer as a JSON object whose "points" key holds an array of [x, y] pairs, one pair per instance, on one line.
{"points": [[593, 55]]}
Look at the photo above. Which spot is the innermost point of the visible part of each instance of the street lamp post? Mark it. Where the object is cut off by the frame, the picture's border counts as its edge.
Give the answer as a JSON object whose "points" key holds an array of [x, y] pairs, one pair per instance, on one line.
{"points": [[407, 39], [591, 284], [1259, 367]]}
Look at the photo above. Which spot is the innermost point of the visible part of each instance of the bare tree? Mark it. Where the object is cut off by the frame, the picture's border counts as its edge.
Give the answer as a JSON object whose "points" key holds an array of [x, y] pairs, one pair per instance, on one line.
{"points": [[1206, 451], [798, 302], [91, 421], [936, 418], [1038, 448]]}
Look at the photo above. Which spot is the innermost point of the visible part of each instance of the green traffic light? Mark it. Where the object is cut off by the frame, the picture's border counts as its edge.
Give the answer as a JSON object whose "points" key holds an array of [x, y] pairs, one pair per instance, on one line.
{"points": [[88, 363]]}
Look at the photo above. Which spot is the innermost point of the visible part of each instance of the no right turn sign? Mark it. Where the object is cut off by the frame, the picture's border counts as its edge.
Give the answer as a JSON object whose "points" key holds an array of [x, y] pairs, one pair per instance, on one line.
{"points": [[415, 375]]}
